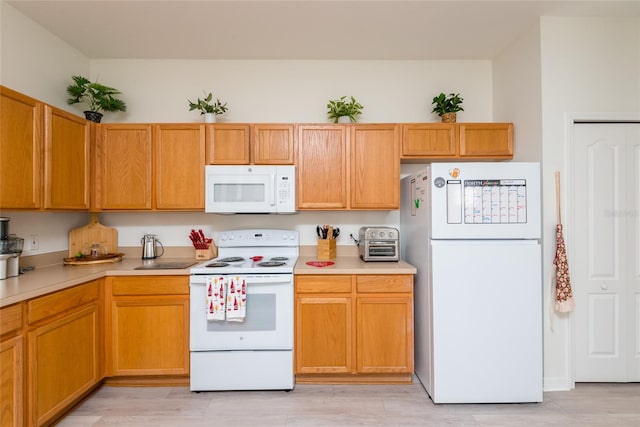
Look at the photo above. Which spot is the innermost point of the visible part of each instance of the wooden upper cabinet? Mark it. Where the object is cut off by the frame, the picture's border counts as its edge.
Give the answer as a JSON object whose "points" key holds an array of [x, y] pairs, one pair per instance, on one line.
{"points": [[321, 172], [179, 158], [451, 141], [228, 144], [66, 160], [20, 150], [429, 139], [123, 172], [375, 166], [272, 144], [494, 140]]}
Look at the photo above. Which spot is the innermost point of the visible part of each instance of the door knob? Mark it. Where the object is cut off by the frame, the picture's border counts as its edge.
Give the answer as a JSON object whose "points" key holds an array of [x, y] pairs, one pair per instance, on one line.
{"points": [[604, 286]]}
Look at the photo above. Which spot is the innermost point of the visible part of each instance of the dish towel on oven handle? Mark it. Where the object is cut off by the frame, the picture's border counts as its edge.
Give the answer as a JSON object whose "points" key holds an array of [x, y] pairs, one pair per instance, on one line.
{"points": [[236, 298], [216, 292]]}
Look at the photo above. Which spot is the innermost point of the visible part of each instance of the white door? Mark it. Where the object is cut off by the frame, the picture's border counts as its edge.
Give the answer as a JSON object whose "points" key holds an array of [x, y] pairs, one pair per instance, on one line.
{"points": [[268, 324], [487, 321], [605, 263]]}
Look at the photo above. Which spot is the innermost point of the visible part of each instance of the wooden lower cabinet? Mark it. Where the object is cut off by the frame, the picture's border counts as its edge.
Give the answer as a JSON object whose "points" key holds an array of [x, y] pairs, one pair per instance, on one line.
{"points": [[147, 327], [12, 367], [64, 348], [384, 336], [354, 328]]}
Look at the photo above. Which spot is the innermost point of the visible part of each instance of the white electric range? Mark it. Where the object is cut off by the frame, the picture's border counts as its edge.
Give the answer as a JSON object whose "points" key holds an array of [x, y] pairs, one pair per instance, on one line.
{"points": [[255, 353]]}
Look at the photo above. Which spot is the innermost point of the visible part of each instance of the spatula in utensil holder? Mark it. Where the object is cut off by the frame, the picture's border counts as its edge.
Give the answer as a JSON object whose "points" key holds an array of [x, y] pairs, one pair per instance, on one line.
{"points": [[326, 248]]}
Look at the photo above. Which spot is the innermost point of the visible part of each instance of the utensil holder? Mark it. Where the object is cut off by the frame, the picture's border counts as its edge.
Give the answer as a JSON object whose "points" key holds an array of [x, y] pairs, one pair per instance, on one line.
{"points": [[326, 248], [205, 254]]}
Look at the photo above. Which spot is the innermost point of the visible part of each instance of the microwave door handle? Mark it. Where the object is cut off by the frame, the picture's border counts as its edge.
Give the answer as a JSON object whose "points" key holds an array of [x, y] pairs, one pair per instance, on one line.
{"points": [[272, 193]]}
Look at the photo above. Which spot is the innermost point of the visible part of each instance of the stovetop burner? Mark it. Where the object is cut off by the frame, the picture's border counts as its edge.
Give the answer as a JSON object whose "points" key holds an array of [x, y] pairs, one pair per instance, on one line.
{"points": [[271, 263], [253, 251], [217, 264], [231, 259]]}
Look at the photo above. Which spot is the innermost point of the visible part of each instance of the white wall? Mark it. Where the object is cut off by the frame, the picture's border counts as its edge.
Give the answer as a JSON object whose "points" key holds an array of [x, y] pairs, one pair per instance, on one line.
{"points": [[589, 65], [294, 90], [516, 94], [264, 91], [38, 64], [34, 61], [256, 91]]}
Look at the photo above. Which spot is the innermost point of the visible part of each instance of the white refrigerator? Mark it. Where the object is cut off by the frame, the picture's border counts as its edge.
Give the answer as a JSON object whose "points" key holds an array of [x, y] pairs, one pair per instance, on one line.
{"points": [[473, 232]]}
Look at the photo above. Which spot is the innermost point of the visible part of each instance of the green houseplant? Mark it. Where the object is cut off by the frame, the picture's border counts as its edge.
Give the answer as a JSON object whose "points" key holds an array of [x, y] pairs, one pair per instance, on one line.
{"points": [[446, 106], [209, 108], [342, 107], [96, 95]]}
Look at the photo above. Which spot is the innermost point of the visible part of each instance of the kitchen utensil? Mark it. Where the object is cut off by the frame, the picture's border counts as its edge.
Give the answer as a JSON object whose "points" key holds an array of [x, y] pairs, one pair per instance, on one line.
{"points": [[150, 244], [199, 240], [94, 232]]}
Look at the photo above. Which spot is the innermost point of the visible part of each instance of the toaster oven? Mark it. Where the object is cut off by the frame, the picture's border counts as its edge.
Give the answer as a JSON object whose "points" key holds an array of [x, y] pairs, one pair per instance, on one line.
{"points": [[379, 244]]}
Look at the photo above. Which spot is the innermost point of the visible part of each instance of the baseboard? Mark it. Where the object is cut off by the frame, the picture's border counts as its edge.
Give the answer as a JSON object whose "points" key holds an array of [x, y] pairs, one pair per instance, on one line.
{"points": [[558, 384]]}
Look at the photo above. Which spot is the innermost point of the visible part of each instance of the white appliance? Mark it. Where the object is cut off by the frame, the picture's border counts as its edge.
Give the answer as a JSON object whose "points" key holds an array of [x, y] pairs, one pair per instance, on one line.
{"points": [[250, 189], [472, 230], [257, 353]]}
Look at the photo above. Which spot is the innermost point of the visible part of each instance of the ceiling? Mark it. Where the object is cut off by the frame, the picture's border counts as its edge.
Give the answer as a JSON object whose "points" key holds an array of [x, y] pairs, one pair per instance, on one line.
{"points": [[302, 29]]}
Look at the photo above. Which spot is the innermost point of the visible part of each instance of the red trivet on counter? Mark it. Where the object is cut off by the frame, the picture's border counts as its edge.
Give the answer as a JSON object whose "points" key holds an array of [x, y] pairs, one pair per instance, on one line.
{"points": [[320, 263]]}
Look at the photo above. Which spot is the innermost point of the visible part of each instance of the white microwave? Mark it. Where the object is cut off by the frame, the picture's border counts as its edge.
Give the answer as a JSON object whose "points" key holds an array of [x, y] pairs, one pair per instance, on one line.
{"points": [[250, 189]]}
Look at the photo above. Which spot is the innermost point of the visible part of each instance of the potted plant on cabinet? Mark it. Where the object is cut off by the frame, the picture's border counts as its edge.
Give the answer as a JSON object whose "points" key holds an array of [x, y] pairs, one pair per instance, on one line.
{"points": [[209, 108], [343, 110], [98, 96], [446, 106]]}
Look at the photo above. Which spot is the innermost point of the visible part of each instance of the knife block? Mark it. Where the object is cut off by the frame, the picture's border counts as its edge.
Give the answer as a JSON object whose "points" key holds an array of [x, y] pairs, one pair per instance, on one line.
{"points": [[206, 254], [326, 248]]}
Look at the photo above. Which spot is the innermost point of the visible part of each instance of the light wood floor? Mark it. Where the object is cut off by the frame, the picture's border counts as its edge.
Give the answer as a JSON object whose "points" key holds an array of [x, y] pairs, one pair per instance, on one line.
{"points": [[341, 405]]}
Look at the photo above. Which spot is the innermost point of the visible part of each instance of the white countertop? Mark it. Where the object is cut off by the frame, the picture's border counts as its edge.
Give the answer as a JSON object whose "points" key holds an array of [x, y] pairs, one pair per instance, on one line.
{"points": [[44, 280], [352, 265]]}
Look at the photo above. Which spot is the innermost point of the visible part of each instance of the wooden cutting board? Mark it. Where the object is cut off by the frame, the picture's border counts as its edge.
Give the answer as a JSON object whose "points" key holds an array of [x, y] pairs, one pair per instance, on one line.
{"points": [[94, 232]]}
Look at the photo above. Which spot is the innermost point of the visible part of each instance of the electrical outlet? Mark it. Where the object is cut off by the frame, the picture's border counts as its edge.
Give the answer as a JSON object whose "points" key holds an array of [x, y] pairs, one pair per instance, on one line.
{"points": [[35, 243]]}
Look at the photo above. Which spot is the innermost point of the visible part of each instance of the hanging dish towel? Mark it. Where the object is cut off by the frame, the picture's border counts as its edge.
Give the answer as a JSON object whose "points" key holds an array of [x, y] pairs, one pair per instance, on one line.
{"points": [[564, 294], [216, 295], [236, 299]]}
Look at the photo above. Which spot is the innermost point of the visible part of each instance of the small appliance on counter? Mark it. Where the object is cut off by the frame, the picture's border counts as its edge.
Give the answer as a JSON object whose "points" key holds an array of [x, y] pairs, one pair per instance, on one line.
{"points": [[150, 245], [379, 244], [10, 250]]}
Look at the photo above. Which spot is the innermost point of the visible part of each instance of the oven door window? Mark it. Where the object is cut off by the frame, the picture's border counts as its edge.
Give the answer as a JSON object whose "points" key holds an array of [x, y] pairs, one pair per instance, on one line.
{"points": [[268, 324]]}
